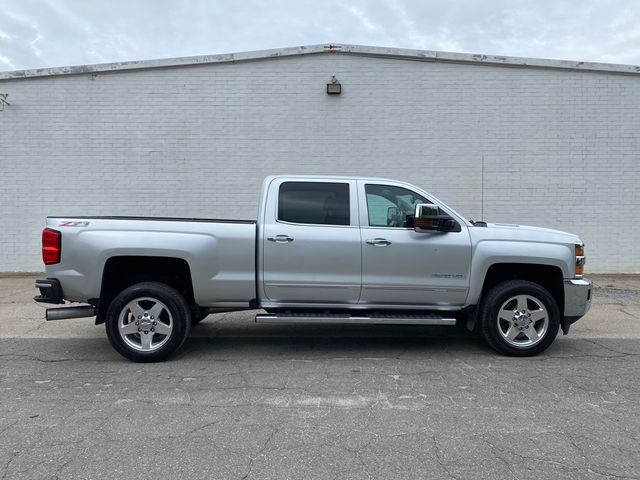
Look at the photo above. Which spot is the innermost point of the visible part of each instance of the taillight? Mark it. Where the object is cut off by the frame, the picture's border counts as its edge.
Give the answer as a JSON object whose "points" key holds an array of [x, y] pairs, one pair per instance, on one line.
{"points": [[51, 246]]}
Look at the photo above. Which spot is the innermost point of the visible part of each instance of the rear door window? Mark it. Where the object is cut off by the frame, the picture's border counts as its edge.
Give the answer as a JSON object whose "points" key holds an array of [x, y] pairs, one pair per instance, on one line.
{"points": [[316, 203]]}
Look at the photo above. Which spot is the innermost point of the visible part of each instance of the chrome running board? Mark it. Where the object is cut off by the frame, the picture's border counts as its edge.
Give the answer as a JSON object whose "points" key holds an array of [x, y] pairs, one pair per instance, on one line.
{"points": [[354, 319]]}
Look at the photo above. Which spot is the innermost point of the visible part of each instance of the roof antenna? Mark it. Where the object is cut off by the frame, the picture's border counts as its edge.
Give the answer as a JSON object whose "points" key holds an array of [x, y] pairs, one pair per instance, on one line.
{"points": [[482, 191]]}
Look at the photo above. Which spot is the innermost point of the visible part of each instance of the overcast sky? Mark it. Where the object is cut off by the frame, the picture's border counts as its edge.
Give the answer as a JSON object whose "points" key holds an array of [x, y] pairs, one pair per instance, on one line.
{"points": [[45, 33]]}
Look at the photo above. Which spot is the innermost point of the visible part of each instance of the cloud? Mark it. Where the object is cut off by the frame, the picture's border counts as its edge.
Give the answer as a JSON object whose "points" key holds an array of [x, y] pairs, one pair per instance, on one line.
{"points": [[41, 33], [18, 41], [5, 61]]}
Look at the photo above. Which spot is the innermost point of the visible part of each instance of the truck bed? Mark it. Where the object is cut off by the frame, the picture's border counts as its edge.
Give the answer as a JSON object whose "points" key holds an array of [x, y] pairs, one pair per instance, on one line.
{"points": [[161, 219], [220, 253]]}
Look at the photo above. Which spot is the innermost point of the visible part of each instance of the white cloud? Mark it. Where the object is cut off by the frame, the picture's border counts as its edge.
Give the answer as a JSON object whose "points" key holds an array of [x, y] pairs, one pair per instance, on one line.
{"points": [[40, 33], [34, 45], [5, 61], [362, 17]]}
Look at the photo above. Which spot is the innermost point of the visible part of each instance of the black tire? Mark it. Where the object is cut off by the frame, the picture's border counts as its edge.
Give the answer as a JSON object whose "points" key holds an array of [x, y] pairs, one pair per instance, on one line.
{"points": [[534, 330], [173, 317]]}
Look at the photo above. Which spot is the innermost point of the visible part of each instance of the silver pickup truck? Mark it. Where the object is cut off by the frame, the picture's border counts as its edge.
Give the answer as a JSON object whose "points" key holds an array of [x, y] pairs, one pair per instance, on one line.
{"points": [[323, 250]]}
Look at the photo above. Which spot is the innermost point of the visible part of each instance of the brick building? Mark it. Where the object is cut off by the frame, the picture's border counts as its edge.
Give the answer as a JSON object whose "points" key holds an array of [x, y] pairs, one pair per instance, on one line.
{"points": [[543, 142]]}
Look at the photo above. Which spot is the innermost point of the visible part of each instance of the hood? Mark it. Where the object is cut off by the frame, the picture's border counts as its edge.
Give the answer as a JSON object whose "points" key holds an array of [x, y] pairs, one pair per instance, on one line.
{"points": [[530, 228], [510, 231]]}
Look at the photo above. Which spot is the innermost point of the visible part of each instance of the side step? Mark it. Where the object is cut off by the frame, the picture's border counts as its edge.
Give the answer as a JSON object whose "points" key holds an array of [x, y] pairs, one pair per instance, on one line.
{"points": [[425, 319]]}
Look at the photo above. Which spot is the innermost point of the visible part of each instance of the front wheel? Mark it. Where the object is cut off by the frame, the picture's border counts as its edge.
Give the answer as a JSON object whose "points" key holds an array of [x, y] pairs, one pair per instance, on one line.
{"points": [[519, 318], [148, 321]]}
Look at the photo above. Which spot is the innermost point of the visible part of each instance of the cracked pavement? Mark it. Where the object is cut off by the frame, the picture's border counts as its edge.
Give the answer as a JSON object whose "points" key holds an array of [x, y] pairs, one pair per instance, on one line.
{"points": [[247, 401]]}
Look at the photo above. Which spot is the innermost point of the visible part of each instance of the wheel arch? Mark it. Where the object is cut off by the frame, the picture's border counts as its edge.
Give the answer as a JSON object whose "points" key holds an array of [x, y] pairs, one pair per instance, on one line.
{"points": [[121, 272], [550, 277]]}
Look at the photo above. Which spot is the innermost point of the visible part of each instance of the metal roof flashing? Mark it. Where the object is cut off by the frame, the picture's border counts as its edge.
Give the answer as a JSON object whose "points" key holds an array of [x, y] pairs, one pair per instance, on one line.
{"points": [[328, 49]]}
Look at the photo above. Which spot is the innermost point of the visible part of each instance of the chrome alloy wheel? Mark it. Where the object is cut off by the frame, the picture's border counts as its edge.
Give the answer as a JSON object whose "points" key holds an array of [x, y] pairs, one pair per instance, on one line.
{"points": [[145, 324], [523, 321]]}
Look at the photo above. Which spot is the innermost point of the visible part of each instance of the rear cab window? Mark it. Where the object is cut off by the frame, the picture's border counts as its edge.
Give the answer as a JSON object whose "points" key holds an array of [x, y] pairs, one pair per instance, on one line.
{"points": [[314, 203]]}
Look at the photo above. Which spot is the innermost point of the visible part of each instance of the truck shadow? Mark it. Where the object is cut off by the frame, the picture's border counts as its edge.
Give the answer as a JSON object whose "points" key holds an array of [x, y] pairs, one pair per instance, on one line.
{"points": [[333, 340]]}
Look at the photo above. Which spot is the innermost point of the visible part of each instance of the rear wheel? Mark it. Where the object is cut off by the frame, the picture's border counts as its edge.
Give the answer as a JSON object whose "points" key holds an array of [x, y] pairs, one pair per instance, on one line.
{"points": [[148, 321], [519, 318]]}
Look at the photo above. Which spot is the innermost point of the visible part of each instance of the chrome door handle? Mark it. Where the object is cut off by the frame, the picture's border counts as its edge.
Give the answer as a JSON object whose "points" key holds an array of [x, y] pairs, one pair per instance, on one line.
{"points": [[379, 242], [280, 239]]}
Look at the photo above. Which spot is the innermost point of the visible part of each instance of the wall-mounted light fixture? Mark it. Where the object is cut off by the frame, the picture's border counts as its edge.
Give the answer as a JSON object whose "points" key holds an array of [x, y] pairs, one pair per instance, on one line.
{"points": [[3, 101], [334, 88]]}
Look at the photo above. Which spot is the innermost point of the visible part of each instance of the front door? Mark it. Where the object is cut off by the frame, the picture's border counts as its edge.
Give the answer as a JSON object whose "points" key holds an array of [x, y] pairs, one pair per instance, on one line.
{"points": [[311, 243], [401, 266]]}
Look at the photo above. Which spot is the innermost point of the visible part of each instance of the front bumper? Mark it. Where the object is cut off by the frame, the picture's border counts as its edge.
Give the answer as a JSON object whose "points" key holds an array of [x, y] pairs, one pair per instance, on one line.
{"points": [[577, 299]]}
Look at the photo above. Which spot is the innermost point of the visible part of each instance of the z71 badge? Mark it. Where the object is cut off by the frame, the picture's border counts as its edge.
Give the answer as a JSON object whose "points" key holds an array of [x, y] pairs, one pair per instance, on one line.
{"points": [[73, 223]]}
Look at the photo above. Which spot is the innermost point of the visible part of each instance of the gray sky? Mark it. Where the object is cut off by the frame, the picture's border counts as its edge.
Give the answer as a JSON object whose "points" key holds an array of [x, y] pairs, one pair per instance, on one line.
{"points": [[44, 33]]}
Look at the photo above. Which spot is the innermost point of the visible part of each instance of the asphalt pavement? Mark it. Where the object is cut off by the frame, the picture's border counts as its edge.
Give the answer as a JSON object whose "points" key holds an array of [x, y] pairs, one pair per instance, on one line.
{"points": [[248, 401]]}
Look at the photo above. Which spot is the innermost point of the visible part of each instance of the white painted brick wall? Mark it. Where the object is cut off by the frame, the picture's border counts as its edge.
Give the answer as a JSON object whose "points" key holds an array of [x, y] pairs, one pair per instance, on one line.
{"points": [[561, 148]]}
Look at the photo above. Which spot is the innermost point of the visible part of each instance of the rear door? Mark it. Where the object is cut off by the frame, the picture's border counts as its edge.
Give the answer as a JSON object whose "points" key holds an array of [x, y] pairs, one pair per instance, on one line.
{"points": [[311, 242]]}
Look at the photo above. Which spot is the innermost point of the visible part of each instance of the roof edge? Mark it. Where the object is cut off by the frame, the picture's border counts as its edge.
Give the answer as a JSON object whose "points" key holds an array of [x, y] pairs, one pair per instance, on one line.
{"points": [[362, 50]]}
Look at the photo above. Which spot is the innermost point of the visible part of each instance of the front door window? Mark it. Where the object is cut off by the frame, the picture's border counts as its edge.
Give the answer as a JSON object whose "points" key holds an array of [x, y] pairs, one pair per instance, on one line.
{"points": [[391, 206]]}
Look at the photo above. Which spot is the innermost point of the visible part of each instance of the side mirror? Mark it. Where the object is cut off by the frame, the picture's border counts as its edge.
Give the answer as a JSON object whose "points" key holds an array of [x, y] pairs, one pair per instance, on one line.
{"points": [[428, 219]]}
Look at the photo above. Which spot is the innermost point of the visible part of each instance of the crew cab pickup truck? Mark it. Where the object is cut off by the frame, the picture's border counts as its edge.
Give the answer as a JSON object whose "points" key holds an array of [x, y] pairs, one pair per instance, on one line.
{"points": [[334, 250]]}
